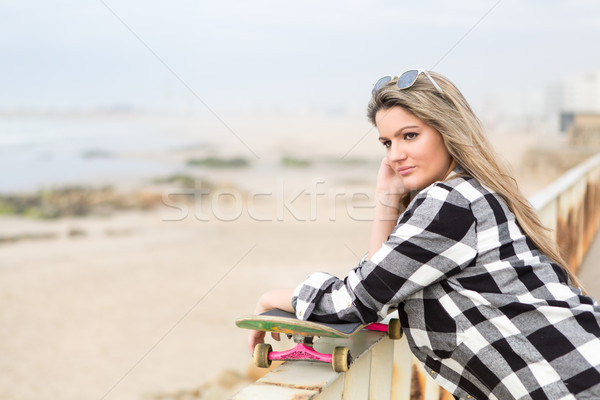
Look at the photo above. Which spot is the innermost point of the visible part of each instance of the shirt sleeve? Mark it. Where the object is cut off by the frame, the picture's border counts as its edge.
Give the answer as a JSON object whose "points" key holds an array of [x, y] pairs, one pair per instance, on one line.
{"points": [[434, 239]]}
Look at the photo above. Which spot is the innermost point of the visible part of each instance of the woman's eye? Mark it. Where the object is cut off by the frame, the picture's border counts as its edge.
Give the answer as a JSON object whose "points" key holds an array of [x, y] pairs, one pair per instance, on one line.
{"points": [[410, 135], [387, 144]]}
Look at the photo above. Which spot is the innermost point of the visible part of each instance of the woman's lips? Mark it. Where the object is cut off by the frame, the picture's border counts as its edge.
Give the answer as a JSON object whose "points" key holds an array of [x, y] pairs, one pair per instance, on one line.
{"points": [[405, 170]]}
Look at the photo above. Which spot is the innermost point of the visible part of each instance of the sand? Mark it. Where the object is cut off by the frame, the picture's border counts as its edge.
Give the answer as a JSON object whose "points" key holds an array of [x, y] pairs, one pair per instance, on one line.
{"points": [[138, 303], [142, 304]]}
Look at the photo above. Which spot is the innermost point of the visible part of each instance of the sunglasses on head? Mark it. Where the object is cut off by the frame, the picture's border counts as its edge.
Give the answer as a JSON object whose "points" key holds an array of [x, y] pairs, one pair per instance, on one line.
{"points": [[406, 80]]}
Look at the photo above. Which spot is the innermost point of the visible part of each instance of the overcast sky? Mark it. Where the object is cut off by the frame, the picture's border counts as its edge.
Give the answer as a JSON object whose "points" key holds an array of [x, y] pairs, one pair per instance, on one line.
{"points": [[268, 55]]}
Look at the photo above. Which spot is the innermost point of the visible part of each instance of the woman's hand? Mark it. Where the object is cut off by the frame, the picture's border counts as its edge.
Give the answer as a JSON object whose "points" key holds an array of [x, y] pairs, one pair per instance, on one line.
{"points": [[388, 195], [279, 298], [388, 181], [257, 337]]}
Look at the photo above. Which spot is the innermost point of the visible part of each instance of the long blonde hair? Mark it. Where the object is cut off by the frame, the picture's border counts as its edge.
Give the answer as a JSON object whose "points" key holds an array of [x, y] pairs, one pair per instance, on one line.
{"points": [[450, 114]]}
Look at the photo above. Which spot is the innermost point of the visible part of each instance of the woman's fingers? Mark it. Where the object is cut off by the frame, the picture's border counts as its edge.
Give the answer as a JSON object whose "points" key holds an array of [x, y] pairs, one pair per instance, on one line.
{"points": [[254, 338], [388, 181]]}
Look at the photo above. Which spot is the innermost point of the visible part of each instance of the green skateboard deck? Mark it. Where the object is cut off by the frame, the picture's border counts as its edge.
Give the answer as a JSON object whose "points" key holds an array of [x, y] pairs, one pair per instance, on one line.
{"points": [[287, 323]]}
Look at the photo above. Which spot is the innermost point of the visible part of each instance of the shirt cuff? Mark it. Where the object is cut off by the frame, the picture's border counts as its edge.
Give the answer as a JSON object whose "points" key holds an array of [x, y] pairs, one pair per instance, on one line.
{"points": [[308, 293], [300, 306], [363, 260]]}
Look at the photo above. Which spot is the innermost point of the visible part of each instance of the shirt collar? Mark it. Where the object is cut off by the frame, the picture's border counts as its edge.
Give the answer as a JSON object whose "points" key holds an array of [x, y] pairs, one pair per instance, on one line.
{"points": [[455, 172]]}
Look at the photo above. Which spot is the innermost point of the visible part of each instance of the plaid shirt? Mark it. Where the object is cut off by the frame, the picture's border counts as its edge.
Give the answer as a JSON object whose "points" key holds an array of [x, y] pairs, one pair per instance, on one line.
{"points": [[489, 315]]}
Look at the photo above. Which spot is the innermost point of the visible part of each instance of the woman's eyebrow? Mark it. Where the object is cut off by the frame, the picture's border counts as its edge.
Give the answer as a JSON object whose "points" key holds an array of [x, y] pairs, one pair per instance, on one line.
{"points": [[399, 131]]}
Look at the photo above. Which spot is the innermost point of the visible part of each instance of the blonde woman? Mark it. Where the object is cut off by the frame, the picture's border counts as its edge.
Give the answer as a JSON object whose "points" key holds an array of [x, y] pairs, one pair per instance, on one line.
{"points": [[484, 297]]}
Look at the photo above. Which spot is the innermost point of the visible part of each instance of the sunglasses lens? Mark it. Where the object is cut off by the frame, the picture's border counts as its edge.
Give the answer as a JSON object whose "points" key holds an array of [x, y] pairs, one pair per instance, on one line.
{"points": [[379, 84], [407, 79]]}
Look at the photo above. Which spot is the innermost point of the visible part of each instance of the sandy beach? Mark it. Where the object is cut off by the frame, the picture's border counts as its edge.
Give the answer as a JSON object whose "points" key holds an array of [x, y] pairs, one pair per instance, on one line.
{"points": [[146, 304], [141, 304]]}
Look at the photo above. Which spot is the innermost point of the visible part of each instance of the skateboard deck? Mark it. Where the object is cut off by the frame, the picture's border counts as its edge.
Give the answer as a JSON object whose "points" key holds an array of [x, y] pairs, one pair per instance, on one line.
{"points": [[303, 333], [284, 322]]}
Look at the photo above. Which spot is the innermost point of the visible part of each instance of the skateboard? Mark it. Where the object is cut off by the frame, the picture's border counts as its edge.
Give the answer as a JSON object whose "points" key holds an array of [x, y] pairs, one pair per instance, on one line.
{"points": [[303, 333]]}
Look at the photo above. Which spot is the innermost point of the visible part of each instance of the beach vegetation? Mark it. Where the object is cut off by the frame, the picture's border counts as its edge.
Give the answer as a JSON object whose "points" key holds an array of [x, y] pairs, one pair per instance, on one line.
{"points": [[6, 239], [350, 161], [288, 161], [6, 208], [97, 153], [77, 232], [74, 201], [218, 162], [180, 180]]}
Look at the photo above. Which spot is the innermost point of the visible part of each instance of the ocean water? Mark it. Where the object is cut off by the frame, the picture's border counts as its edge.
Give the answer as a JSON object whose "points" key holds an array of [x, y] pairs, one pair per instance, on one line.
{"points": [[41, 150]]}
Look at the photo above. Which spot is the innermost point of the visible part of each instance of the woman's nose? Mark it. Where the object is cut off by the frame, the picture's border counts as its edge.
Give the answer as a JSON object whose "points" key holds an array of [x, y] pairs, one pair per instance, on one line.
{"points": [[397, 153]]}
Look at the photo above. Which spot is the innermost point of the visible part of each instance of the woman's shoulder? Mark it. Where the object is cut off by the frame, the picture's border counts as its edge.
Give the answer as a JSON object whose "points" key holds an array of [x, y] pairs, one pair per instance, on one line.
{"points": [[457, 181], [461, 183], [459, 189]]}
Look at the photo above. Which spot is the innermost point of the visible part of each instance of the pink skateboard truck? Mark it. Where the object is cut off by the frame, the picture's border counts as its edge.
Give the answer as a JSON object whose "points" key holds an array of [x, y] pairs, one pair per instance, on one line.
{"points": [[340, 358], [303, 333]]}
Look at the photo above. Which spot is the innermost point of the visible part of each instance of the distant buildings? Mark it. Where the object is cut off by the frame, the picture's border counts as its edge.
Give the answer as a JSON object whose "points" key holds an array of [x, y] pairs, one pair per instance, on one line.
{"points": [[580, 108], [543, 111], [582, 129], [582, 93], [573, 108]]}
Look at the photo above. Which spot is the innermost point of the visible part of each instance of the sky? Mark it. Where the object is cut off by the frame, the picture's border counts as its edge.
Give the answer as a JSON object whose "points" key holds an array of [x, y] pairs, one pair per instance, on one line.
{"points": [[266, 56]]}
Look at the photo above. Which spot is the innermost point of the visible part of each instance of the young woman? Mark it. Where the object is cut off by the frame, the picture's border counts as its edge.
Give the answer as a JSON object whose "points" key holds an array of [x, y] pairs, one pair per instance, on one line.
{"points": [[484, 297]]}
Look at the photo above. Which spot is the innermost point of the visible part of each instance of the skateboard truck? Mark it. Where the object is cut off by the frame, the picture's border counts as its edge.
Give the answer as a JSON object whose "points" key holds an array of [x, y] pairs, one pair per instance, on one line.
{"points": [[340, 359]]}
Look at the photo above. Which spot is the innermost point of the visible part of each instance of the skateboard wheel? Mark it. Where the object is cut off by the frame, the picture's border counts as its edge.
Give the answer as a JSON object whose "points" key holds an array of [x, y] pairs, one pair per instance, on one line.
{"points": [[341, 359], [261, 355], [394, 329]]}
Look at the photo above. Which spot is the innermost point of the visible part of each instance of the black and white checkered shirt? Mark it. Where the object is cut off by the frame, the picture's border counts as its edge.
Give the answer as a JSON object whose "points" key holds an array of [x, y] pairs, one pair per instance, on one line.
{"points": [[489, 315]]}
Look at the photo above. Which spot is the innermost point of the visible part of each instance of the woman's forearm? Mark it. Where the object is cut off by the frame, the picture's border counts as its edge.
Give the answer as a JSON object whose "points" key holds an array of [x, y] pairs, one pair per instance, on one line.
{"points": [[385, 216], [277, 298]]}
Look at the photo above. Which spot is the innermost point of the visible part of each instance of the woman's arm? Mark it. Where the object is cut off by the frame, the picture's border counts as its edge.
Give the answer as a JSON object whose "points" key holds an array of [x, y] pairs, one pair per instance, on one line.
{"points": [[278, 298], [388, 193], [435, 240], [385, 217]]}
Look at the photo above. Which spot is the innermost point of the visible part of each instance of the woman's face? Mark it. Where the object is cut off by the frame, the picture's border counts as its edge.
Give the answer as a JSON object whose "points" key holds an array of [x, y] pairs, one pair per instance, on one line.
{"points": [[414, 150]]}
